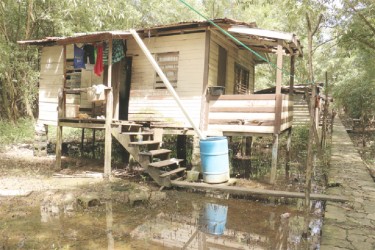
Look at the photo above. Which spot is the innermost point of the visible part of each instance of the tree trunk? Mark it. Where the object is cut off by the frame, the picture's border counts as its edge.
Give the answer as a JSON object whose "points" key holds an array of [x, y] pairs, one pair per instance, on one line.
{"points": [[312, 140]]}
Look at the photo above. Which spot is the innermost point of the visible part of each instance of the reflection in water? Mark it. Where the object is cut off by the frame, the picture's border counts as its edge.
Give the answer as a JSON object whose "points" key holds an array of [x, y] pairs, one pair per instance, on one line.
{"points": [[184, 221], [213, 219]]}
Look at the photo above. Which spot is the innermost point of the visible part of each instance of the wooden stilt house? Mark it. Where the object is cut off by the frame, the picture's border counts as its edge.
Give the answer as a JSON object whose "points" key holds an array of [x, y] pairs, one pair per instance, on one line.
{"points": [[212, 74]]}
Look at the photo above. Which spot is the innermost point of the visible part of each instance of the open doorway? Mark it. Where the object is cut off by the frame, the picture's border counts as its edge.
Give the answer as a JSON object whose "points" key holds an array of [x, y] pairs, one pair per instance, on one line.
{"points": [[125, 90]]}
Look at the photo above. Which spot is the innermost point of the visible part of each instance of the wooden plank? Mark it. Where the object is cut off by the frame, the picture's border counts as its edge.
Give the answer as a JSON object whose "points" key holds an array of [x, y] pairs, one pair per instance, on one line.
{"points": [[156, 152], [256, 192], [51, 69], [262, 33], [174, 171], [82, 125], [243, 116], [108, 115], [165, 163], [140, 143], [242, 128], [242, 122], [244, 97], [243, 103], [51, 54], [243, 109]]}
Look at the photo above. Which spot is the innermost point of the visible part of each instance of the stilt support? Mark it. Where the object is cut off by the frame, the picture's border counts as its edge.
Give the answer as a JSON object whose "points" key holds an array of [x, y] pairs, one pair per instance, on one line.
{"points": [[288, 153], [59, 131], [275, 150]]}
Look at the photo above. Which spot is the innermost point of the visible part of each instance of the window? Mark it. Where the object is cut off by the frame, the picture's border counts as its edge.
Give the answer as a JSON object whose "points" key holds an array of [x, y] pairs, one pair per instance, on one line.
{"points": [[222, 67], [168, 62], [241, 80]]}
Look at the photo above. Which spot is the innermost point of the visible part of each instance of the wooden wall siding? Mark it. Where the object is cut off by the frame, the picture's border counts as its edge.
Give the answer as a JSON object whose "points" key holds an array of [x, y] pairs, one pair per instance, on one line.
{"points": [[50, 80], [143, 96], [287, 112], [163, 109], [301, 112], [235, 55], [248, 113]]}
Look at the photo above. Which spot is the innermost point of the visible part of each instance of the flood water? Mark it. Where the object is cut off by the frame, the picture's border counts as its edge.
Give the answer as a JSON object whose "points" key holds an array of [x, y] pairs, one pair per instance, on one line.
{"points": [[180, 221]]}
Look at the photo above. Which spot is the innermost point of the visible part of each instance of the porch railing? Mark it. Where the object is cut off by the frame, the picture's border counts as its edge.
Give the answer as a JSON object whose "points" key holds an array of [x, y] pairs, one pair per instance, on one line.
{"points": [[255, 113]]}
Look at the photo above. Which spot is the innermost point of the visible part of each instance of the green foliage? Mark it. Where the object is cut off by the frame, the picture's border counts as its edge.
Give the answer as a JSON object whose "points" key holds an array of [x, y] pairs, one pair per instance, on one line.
{"points": [[21, 131]]}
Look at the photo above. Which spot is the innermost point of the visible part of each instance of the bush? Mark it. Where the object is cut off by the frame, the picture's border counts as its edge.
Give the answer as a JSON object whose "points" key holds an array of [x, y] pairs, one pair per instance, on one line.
{"points": [[20, 131]]}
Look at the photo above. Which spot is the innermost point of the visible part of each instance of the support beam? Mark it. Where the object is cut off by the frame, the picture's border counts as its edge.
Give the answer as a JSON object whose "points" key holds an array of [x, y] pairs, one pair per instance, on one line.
{"points": [[108, 116], [205, 99], [59, 129], [292, 72], [288, 153], [279, 78], [275, 151], [255, 191]]}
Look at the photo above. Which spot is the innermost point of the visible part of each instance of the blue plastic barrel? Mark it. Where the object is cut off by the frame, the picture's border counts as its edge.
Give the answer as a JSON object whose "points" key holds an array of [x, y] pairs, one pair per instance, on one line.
{"points": [[214, 159], [213, 219]]}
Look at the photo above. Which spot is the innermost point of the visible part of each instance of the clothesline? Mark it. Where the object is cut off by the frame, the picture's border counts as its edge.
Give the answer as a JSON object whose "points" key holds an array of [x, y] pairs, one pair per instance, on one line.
{"points": [[94, 56]]}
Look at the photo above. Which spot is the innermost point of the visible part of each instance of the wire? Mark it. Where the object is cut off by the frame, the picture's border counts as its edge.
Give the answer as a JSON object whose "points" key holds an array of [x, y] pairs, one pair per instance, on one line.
{"points": [[285, 72]]}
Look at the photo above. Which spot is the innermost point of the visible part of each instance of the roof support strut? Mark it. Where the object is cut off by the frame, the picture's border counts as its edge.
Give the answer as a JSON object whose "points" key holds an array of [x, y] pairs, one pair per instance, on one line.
{"points": [[165, 81]]}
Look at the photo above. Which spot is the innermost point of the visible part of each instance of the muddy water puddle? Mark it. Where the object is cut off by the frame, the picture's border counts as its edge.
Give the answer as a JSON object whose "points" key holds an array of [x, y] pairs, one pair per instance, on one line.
{"points": [[180, 220]]}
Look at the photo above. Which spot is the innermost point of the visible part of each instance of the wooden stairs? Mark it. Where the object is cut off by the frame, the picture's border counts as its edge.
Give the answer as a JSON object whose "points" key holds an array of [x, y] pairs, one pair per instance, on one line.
{"points": [[144, 146]]}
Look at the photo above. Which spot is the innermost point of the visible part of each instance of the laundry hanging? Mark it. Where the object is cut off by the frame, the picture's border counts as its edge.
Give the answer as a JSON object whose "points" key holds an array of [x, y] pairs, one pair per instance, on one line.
{"points": [[117, 52], [78, 57], [89, 56], [98, 68]]}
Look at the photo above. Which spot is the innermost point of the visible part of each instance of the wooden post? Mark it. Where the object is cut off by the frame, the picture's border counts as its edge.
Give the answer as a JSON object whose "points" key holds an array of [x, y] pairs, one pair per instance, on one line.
{"points": [[82, 139], [108, 116], [93, 143], [59, 129], [288, 152], [279, 76], [205, 102], [292, 72], [278, 109], [275, 149]]}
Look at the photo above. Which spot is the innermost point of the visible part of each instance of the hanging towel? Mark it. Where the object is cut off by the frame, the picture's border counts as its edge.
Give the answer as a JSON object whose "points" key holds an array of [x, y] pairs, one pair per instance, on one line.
{"points": [[78, 58], [98, 69]]}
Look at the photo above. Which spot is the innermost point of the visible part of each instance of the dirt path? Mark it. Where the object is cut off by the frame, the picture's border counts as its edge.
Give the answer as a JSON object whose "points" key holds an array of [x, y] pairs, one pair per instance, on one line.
{"points": [[21, 171]]}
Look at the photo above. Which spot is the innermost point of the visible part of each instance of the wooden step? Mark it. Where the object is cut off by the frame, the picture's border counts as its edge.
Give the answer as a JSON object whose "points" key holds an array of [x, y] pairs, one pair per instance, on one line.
{"points": [[174, 171], [165, 163], [141, 143], [156, 152], [137, 133]]}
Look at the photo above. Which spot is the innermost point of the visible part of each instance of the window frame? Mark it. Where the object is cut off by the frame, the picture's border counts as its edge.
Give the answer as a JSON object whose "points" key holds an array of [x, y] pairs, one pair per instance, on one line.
{"points": [[171, 73], [244, 74]]}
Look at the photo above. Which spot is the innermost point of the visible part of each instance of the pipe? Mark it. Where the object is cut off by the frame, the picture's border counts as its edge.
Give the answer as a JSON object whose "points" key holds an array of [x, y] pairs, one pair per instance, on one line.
{"points": [[165, 81]]}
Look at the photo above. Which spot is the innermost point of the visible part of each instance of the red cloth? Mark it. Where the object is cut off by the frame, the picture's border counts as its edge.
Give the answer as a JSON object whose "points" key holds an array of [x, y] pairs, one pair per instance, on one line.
{"points": [[98, 68]]}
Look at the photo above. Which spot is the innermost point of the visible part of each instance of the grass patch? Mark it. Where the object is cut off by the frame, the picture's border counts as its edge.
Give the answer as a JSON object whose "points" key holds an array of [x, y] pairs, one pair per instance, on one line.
{"points": [[21, 131]]}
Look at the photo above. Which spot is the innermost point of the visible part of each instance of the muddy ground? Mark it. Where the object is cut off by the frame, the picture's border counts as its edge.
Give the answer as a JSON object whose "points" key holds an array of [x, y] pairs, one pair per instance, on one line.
{"points": [[58, 209]]}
